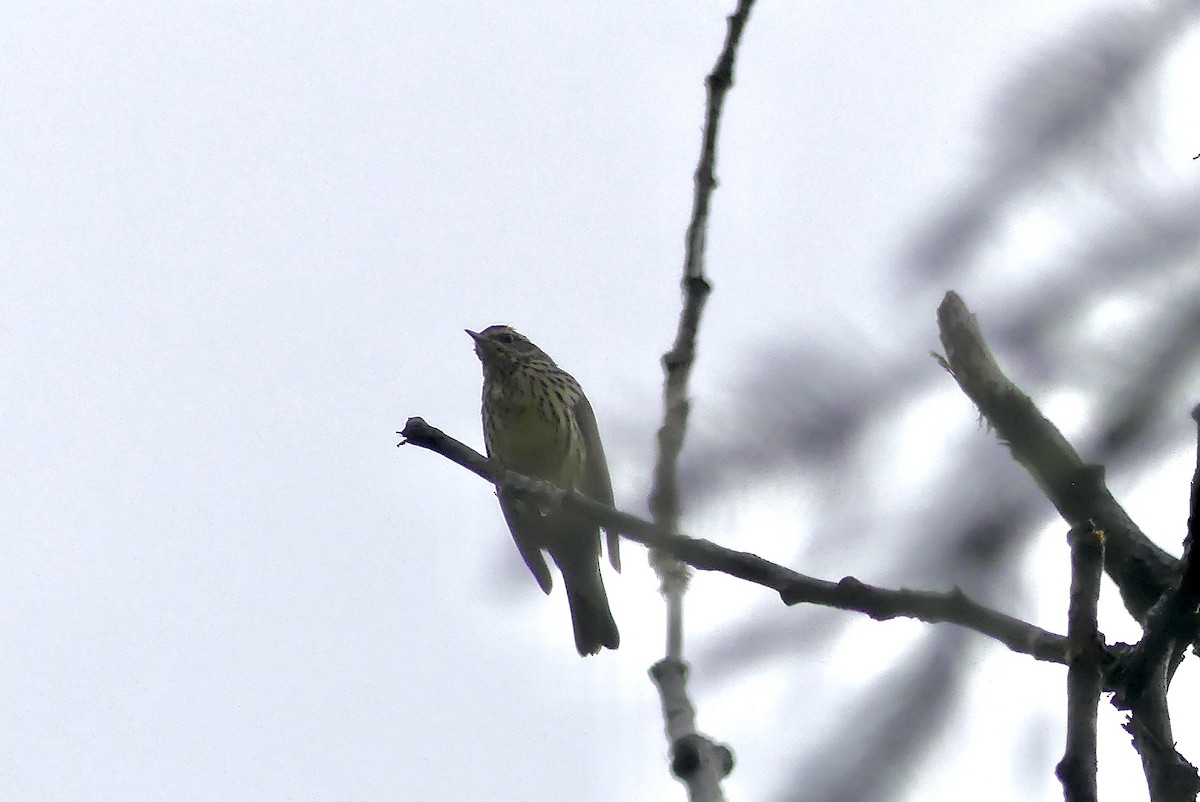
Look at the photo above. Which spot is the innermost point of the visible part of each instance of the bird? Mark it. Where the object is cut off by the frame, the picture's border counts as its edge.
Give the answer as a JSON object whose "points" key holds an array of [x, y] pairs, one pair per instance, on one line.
{"points": [[538, 422]]}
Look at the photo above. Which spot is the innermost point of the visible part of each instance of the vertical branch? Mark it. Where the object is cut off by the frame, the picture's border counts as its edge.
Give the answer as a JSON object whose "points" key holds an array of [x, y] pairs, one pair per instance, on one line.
{"points": [[696, 760], [1189, 584], [1172, 622], [1141, 685], [1085, 647]]}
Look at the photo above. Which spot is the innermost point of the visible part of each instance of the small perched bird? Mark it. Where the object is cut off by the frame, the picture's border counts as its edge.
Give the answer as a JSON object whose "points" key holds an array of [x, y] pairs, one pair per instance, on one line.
{"points": [[538, 422]]}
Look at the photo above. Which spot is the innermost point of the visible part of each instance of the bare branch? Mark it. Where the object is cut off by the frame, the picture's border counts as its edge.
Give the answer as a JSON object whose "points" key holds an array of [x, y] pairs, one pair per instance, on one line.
{"points": [[419, 433], [1141, 570], [1085, 677], [953, 607], [1169, 776]]}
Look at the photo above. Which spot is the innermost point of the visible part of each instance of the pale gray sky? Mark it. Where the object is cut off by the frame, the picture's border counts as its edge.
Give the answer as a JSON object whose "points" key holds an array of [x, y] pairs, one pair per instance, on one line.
{"points": [[239, 244]]}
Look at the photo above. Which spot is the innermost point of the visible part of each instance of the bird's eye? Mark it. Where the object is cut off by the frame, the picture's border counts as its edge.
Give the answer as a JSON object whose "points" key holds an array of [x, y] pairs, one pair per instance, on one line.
{"points": [[505, 338]]}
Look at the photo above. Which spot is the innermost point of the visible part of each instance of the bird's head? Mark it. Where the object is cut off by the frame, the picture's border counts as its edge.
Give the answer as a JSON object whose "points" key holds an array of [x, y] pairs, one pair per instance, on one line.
{"points": [[502, 347]]}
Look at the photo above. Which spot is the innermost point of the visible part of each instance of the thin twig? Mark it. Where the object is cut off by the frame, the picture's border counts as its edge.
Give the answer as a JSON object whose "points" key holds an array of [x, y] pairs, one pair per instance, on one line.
{"points": [[952, 607], [1085, 676], [701, 776], [1141, 570]]}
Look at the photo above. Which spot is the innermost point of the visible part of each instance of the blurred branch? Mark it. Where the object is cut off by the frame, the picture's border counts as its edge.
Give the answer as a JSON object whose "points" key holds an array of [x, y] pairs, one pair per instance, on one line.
{"points": [[1085, 678], [1152, 379], [953, 607], [1141, 570], [1067, 107], [878, 743], [691, 753]]}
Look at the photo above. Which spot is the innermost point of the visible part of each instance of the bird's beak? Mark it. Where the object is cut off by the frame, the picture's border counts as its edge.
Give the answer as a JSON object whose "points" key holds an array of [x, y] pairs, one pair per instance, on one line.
{"points": [[483, 346]]}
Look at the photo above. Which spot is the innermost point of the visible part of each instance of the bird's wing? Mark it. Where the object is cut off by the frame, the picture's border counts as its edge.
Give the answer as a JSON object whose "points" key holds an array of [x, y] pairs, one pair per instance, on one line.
{"points": [[595, 482], [523, 523]]}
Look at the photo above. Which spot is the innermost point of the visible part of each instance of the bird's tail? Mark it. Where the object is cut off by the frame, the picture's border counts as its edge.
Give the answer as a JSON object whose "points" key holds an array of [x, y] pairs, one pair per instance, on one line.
{"points": [[590, 613]]}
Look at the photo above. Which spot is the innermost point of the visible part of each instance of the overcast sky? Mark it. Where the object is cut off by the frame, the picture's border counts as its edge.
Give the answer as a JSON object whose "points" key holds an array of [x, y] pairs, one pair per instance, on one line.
{"points": [[239, 244]]}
